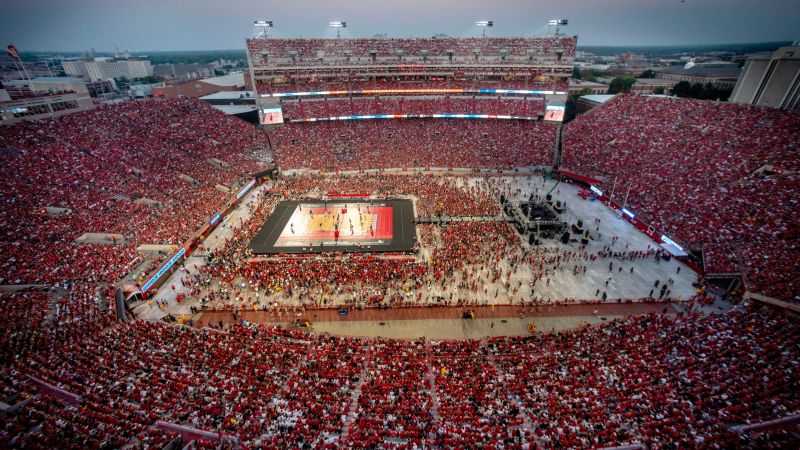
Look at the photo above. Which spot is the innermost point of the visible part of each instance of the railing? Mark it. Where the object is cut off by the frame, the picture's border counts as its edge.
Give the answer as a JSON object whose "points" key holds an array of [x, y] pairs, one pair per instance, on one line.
{"points": [[783, 422], [192, 434]]}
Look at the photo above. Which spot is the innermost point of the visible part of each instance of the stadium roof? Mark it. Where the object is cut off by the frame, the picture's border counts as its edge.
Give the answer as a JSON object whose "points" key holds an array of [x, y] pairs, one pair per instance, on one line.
{"points": [[229, 95], [232, 79], [731, 71], [235, 109], [598, 98]]}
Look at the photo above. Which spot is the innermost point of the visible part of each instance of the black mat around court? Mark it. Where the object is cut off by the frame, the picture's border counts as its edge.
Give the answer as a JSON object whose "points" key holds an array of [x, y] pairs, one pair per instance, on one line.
{"points": [[404, 233]]}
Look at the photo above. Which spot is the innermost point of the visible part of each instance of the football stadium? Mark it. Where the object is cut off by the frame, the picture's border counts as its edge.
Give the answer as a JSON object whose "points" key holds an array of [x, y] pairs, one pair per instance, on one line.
{"points": [[412, 249]]}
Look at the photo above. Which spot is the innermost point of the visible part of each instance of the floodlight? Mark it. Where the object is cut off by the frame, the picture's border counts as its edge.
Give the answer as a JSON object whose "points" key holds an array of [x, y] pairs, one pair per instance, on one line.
{"points": [[483, 25], [558, 23], [263, 24], [338, 25]]}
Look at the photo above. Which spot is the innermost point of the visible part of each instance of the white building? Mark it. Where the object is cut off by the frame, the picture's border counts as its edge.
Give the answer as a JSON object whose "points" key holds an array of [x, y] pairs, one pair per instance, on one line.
{"points": [[94, 69]]}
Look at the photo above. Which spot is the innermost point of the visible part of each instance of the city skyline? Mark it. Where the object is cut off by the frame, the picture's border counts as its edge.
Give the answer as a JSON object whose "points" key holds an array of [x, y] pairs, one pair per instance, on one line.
{"points": [[51, 25]]}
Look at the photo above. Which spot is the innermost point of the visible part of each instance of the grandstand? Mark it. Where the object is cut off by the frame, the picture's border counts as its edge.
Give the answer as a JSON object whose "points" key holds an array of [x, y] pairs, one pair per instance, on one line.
{"points": [[717, 177], [510, 81], [183, 279], [536, 69], [279, 63]]}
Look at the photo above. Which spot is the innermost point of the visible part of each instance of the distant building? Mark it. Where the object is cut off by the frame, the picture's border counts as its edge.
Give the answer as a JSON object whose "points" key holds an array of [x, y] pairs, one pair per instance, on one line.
{"points": [[597, 67], [101, 88], [94, 69], [770, 80], [142, 90], [184, 71], [649, 85], [721, 75], [576, 87]]}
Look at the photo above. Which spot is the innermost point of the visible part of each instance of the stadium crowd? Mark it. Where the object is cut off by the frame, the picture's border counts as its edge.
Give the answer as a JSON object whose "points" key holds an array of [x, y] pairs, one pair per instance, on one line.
{"points": [[34, 320], [297, 51], [391, 143], [645, 379], [337, 84], [711, 175], [448, 196], [334, 107], [668, 382], [116, 170]]}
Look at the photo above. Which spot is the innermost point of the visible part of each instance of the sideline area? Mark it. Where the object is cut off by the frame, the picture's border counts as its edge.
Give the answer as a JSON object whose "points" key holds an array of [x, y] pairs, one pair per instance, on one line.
{"points": [[445, 323], [440, 322]]}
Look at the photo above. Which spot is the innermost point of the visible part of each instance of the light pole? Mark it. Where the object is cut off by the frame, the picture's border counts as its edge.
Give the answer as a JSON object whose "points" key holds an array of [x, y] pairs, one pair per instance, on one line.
{"points": [[338, 24], [483, 25], [557, 23], [265, 24]]}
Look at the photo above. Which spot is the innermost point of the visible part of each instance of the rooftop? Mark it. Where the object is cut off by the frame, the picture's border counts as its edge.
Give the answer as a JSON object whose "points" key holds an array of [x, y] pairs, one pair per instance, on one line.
{"points": [[235, 109], [731, 71], [229, 95], [653, 81], [582, 83], [598, 98], [232, 79], [58, 80]]}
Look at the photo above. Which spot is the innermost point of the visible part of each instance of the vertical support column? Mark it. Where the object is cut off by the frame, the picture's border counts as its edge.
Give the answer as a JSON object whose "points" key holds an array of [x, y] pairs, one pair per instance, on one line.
{"points": [[557, 148]]}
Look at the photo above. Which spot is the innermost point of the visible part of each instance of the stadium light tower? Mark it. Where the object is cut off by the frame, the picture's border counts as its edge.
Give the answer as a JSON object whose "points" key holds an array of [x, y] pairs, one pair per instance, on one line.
{"points": [[483, 25], [338, 24], [265, 24], [558, 23]]}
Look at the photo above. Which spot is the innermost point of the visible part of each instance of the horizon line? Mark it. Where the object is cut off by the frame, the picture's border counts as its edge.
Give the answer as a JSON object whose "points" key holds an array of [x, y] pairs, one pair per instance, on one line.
{"points": [[579, 45]]}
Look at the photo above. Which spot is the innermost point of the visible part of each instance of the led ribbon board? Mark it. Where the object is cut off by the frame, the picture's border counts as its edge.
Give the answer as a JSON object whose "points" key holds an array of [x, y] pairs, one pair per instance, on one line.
{"points": [[415, 116], [669, 241], [415, 91], [161, 271], [245, 189]]}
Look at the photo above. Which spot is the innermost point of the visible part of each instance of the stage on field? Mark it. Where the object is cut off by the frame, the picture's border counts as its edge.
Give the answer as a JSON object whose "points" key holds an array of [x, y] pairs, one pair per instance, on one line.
{"points": [[341, 225]]}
